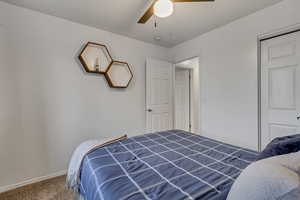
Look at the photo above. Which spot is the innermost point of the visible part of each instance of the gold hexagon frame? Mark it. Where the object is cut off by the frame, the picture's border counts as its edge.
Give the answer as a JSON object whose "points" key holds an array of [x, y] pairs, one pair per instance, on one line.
{"points": [[119, 74], [95, 58]]}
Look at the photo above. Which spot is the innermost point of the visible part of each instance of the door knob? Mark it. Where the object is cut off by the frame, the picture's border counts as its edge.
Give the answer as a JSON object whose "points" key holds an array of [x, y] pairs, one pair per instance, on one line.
{"points": [[149, 110], [298, 118]]}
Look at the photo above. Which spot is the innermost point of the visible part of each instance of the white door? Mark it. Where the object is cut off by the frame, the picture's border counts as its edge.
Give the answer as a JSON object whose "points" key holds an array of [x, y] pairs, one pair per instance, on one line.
{"points": [[280, 87], [159, 95], [182, 99]]}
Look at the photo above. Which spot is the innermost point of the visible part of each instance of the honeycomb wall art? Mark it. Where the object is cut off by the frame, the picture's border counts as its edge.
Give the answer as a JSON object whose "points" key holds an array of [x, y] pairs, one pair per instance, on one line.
{"points": [[118, 74], [95, 58]]}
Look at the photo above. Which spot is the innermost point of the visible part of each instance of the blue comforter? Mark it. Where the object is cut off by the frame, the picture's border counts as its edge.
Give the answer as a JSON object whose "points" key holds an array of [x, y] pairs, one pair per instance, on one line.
{"points": [[170, 165]]}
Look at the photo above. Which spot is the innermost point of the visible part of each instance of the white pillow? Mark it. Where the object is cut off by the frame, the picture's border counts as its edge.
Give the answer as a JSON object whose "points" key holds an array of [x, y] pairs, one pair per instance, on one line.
{"points": [[268, 179], [292, 195]]}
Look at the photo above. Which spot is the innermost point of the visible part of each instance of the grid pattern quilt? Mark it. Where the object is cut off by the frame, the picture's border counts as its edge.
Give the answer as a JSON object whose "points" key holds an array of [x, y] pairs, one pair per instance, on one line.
{"points": [[170, 165]]}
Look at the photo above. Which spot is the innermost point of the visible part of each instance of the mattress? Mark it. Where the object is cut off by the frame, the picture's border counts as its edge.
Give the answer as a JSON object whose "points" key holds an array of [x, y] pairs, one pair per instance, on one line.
{"points": [[169, 165]]}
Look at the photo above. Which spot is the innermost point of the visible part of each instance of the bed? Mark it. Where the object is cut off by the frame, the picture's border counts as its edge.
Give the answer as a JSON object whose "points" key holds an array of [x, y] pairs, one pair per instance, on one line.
{"points": [[170, 165]]}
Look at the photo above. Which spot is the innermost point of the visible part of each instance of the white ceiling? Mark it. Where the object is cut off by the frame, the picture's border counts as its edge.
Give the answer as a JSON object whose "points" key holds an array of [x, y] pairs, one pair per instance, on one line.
{"points": [[120, 16]]}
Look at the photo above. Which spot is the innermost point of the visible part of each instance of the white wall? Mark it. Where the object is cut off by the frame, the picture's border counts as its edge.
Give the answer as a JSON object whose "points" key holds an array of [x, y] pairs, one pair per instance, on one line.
{"points": [[228, 72], [48, 105]]}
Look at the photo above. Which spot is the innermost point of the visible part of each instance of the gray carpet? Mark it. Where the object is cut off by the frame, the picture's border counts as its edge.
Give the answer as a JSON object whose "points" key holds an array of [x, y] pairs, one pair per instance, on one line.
{"points": [[53, 189]]}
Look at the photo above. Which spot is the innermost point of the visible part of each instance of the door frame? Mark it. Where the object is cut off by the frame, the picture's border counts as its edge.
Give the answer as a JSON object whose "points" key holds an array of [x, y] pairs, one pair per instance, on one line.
{"points": [[191, 93], [260, 38]]}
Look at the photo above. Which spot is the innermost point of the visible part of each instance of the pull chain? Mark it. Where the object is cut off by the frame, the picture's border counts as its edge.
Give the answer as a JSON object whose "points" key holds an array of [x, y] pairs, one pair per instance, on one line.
{"points": [[155, 30], [155, 22]]}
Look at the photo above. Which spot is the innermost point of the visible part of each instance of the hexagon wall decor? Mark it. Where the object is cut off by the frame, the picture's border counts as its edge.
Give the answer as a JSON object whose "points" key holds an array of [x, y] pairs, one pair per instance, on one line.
{"points": [[95, 58], [118, 74]]}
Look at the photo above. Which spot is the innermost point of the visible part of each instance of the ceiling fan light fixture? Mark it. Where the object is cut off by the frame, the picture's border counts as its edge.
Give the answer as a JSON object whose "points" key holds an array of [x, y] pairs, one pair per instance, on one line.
{"points": [[163, 8]]}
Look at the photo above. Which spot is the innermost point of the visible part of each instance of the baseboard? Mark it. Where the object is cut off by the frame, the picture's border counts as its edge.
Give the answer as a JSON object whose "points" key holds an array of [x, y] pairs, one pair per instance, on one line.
{"points": [[31, 181]]}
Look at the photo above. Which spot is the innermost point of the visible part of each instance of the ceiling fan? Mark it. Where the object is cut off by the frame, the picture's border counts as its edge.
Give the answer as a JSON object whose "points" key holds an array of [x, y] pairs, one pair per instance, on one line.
{"points": [[163, 8]]}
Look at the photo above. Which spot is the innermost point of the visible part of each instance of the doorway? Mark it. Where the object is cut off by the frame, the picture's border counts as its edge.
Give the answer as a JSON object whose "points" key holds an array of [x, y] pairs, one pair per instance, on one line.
{"points": [[182, 99], [186, 95]]}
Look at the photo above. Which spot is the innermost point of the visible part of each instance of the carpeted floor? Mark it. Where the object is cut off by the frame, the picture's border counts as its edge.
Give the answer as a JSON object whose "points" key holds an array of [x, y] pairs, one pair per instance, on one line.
{"points": [[53, 189]]}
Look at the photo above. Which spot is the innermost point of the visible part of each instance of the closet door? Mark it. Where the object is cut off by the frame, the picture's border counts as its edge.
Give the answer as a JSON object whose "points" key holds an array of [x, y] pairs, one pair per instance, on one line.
{"points": [[280, 87]]}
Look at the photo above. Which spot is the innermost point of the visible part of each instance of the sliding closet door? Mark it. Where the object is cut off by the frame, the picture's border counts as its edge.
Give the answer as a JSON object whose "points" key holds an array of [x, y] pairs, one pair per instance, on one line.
{"points": [[280, 87]]}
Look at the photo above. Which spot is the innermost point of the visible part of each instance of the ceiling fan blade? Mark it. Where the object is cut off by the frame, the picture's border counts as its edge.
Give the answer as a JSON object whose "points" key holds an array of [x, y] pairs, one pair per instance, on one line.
{"points": [[176, 1], [148, 14]]}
